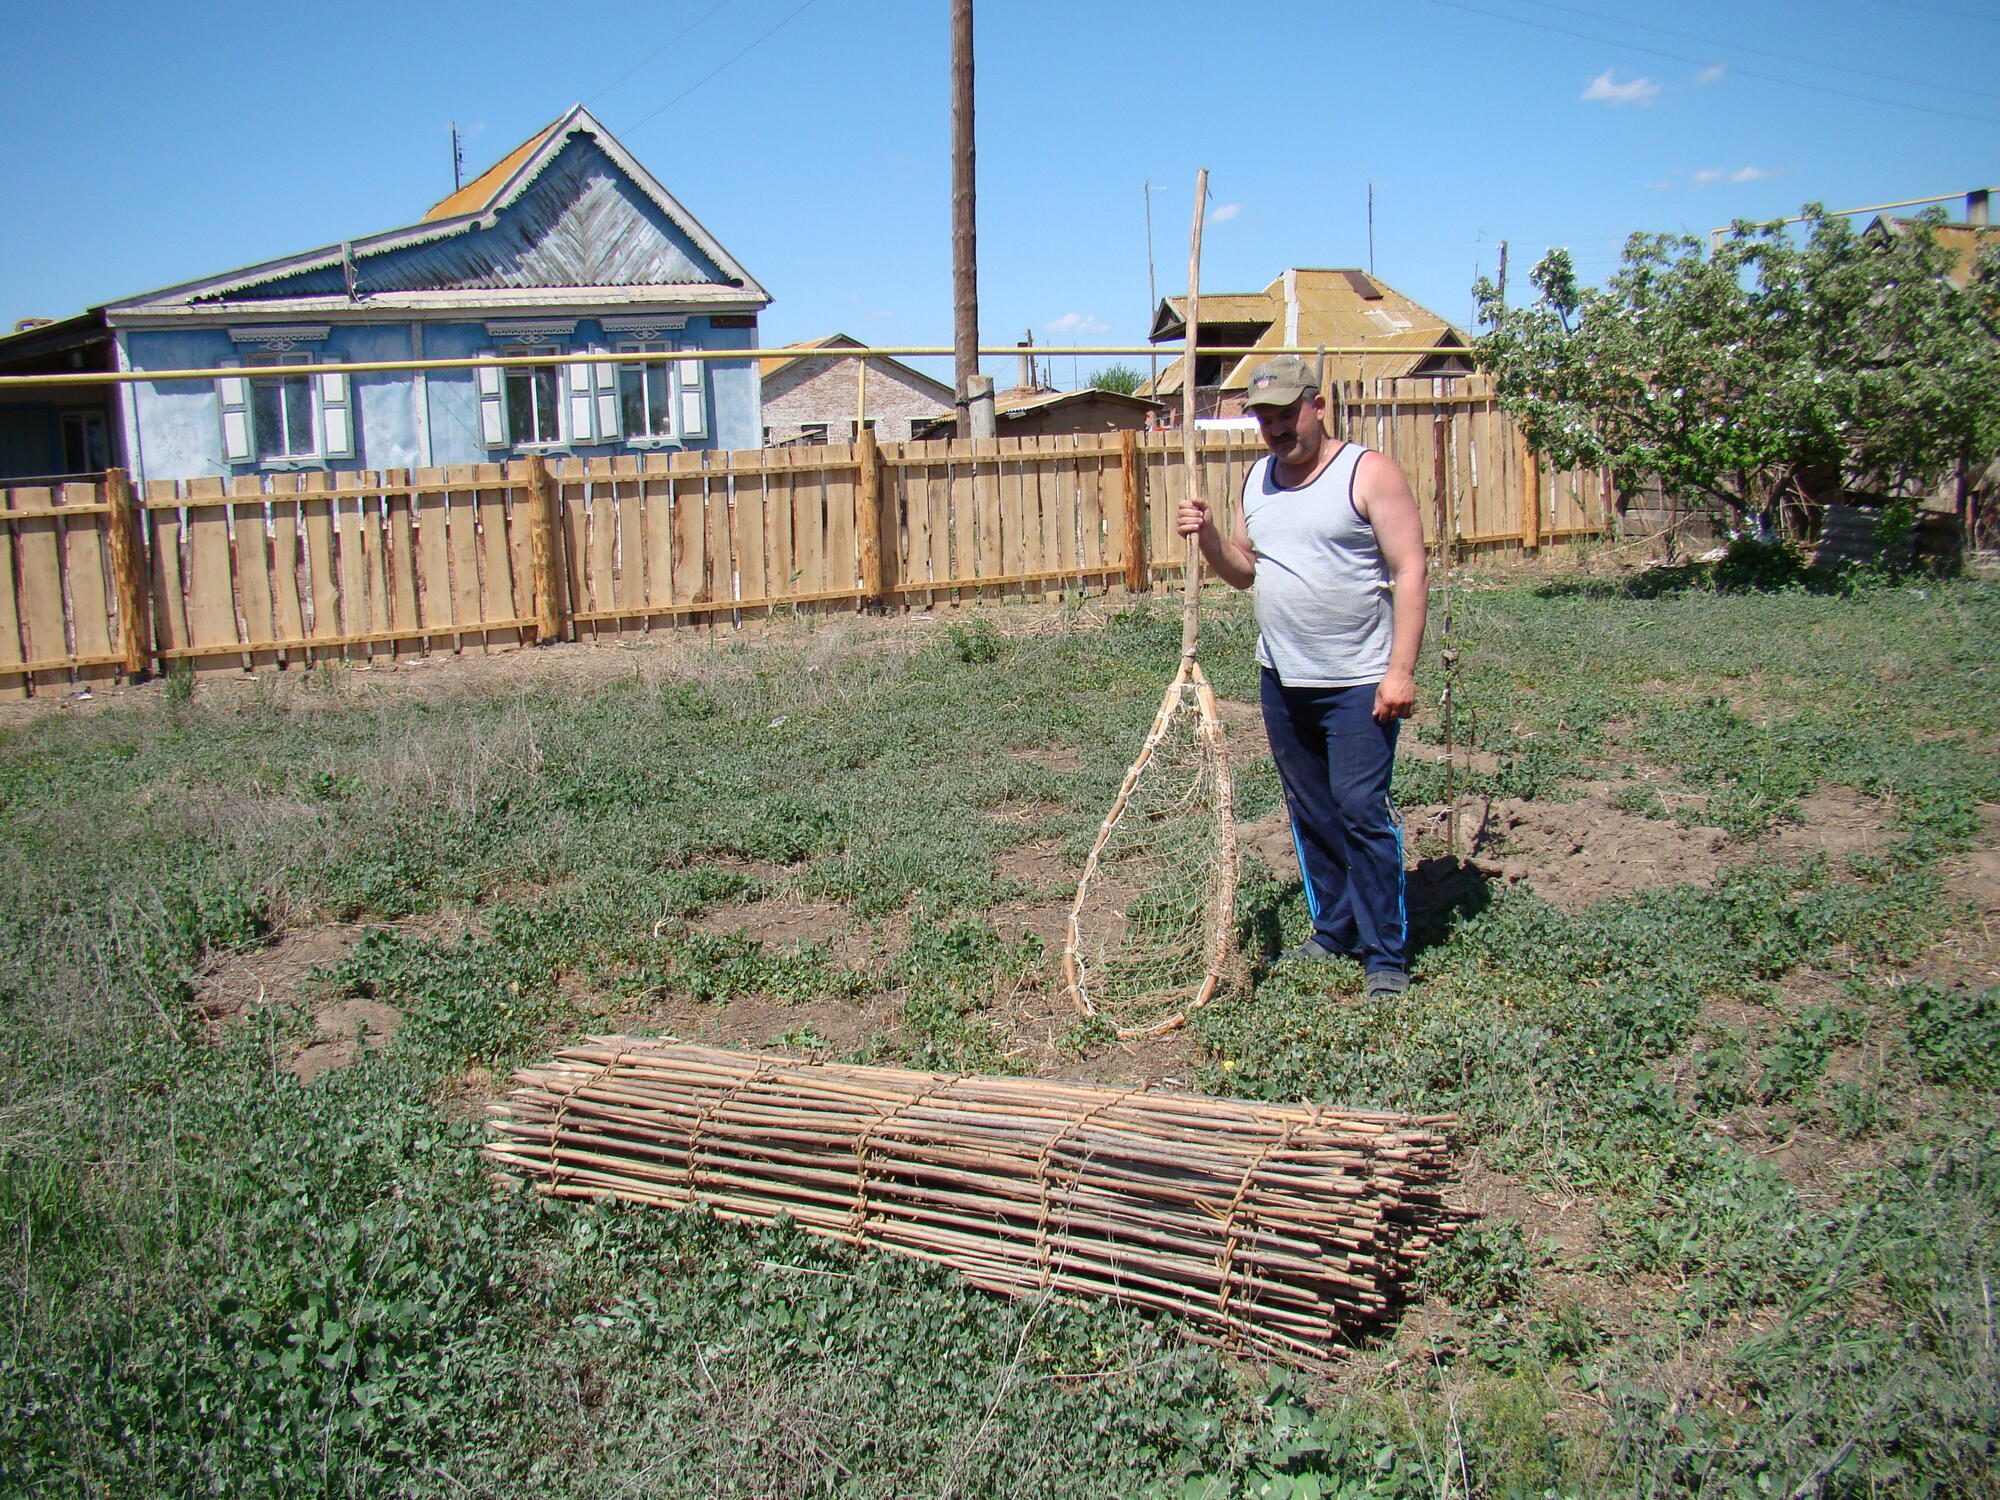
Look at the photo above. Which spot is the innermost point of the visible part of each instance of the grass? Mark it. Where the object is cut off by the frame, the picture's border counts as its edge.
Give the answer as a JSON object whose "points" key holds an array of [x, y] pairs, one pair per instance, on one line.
{"points": [[223, 1281]]}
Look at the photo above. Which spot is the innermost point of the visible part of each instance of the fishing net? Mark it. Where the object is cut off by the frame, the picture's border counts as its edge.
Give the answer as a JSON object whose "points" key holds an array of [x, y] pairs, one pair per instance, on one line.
{"points": [[1150, 933], [1149, 936]]}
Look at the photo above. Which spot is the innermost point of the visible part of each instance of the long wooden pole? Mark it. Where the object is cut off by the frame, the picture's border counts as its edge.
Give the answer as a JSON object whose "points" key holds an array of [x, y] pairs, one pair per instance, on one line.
{"points": [[964, 235], [135, 619], [1190, 605]]}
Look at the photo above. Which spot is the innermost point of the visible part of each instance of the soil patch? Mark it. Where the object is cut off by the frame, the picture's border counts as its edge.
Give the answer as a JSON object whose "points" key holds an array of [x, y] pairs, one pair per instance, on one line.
{"points": [[346, 1028], [1054, 758], [280, 973], [1837, 822], [1576, 853], [787, 918]]}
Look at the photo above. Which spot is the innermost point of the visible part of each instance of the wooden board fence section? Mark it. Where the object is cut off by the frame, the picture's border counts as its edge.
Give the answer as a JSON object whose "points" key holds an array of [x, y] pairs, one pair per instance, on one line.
{"points": [[288, 569]]}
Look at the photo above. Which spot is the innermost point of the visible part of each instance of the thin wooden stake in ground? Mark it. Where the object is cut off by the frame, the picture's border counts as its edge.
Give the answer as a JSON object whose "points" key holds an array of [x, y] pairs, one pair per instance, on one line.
{"points": [[1270, 1227], [1158, 936]]}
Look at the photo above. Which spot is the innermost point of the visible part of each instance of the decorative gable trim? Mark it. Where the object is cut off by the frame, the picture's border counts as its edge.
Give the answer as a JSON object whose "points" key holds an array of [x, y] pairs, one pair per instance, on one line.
{"points": [[281, 337], [646, 327], [532, 330]]}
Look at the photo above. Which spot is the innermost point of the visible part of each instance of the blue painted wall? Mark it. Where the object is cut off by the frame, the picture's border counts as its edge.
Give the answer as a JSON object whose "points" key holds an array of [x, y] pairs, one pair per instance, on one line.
{"points": [[174, 430]]}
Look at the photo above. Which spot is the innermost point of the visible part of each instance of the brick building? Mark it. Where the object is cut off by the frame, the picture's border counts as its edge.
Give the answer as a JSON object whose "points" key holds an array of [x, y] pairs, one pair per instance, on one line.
{"points": [[812, 397]]}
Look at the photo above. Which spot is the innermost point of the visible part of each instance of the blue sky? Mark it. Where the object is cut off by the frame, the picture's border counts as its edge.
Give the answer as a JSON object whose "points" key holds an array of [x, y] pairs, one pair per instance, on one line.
{"points": [[157, 143]]}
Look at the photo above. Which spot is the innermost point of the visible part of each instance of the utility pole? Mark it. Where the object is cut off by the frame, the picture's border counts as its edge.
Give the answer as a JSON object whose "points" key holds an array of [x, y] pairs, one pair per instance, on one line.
{"points": [[457, 159], [1503, 273], [964, 246], [1371, 229]]}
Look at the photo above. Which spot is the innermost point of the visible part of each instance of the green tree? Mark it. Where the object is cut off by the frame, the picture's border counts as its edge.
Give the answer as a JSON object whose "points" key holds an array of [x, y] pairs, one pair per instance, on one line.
{"points": [[1778, 368], [1120, 378]]}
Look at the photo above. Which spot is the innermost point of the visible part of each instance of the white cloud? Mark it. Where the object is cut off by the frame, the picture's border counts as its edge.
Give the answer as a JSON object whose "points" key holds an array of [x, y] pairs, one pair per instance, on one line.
{"points": [[1604, 88], [1713, 73], [1709, 176], [1076, 323], [1222, 213]]}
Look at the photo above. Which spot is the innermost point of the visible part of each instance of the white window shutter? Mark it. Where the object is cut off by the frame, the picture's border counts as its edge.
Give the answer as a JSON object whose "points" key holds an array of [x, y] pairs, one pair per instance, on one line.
{"points": [[604, 375], [336, 415], [492, 405], [693, 399], [234, 392], [582, 398]]}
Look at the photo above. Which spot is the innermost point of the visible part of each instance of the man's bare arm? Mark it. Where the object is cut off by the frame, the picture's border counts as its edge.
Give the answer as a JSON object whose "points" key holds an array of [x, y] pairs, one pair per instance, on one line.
{"points": [[1383, 497], [1232, 560]]}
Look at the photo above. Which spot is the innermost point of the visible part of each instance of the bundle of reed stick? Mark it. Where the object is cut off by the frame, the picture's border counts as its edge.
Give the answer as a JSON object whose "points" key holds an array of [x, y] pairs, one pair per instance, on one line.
{"points": [[1270, 1227]]}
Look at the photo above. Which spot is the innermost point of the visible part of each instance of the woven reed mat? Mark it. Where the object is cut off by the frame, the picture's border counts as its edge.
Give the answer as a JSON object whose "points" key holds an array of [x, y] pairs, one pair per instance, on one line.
{"points": [[1271, 1227]]}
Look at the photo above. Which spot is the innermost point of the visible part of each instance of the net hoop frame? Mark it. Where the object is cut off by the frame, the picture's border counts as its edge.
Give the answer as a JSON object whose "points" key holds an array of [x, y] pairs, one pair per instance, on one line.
{"points": [[1188, 692]]}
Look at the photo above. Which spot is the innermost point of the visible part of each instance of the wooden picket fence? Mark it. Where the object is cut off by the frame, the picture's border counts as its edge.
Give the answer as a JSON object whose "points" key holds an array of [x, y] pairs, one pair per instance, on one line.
{"points": [[98, 582]]}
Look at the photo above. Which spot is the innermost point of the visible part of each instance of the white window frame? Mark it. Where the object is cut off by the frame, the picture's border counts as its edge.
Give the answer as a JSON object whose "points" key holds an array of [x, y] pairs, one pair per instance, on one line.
{"points": [[329, 416], [583, 406], [664, 371]]}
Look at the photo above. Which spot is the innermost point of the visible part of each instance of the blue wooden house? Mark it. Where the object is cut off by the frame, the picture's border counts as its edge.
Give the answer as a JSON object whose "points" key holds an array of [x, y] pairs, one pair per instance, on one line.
{"points": [[568, 246]]}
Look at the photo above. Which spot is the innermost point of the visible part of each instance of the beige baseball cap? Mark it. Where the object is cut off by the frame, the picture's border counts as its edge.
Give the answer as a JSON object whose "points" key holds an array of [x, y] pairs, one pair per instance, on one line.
{"points": [[1280, 381]]}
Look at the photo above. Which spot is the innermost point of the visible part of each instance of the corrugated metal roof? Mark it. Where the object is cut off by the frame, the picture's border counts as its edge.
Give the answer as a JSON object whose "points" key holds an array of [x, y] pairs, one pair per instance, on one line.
{"points": [[478, 195], [1333, 307], [574, 210]]}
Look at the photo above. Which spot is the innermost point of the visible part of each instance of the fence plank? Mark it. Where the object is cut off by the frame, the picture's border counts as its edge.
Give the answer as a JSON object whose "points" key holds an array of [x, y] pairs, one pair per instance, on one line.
{"points": [[498, 599], [749, 507], [91, 592], [250, 551], [211, 598], [843, 564]]}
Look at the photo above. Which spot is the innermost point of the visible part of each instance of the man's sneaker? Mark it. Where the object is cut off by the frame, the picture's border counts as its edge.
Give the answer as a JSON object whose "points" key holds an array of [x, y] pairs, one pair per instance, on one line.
{"points": [[1384, 983], [1311, 951]]}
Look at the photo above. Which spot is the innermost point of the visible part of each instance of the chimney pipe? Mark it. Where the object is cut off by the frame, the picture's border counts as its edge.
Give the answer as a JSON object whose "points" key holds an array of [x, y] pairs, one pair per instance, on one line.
{"points": [[1976, 210], [1025, 376]]}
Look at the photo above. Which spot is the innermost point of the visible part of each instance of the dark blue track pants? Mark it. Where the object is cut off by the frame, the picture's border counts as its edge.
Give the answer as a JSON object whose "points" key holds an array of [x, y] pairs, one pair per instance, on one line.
{"points": [[1334, 760]]}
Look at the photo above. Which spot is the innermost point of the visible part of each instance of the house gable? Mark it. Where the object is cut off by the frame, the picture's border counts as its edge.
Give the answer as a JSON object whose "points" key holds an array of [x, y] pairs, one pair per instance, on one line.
{"points": [[570, 210], [581, 223]]}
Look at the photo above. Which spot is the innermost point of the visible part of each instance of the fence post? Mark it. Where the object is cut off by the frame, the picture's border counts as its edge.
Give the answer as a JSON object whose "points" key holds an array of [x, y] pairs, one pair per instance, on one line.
{"points": [[1531, 499], [868, 516], [128, 572], [544, 542], [1132, 474]]}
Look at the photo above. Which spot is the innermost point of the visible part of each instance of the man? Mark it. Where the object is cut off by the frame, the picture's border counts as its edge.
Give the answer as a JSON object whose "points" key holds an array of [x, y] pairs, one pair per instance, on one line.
{"points": [[1330, 538]]}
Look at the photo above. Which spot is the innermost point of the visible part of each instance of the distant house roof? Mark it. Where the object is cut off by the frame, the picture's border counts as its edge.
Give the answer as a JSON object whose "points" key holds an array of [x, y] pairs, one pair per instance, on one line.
{"points": [[831, 345], [569, 215], [1022, 401], [1306, 307], [1965, 242]]}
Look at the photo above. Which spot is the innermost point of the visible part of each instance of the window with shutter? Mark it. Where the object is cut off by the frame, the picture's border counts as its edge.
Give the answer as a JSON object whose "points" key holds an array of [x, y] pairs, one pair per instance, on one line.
{"points": [[234, 393], [582, 386], [693, 394], [492, 406], [534, 400], [336, 415], [646, 393], [604, 384]]}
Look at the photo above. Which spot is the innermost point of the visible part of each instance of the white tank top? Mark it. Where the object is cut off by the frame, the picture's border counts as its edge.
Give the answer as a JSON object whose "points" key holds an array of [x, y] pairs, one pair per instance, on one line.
{"points": [[1325, 616]]}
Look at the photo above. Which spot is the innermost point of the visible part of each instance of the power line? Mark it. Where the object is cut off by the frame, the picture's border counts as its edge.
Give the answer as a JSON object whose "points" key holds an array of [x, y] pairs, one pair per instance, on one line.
{"points": [[1940, 10], [657, 51], [1689, 36], [735, 57], [1604, 41]]}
